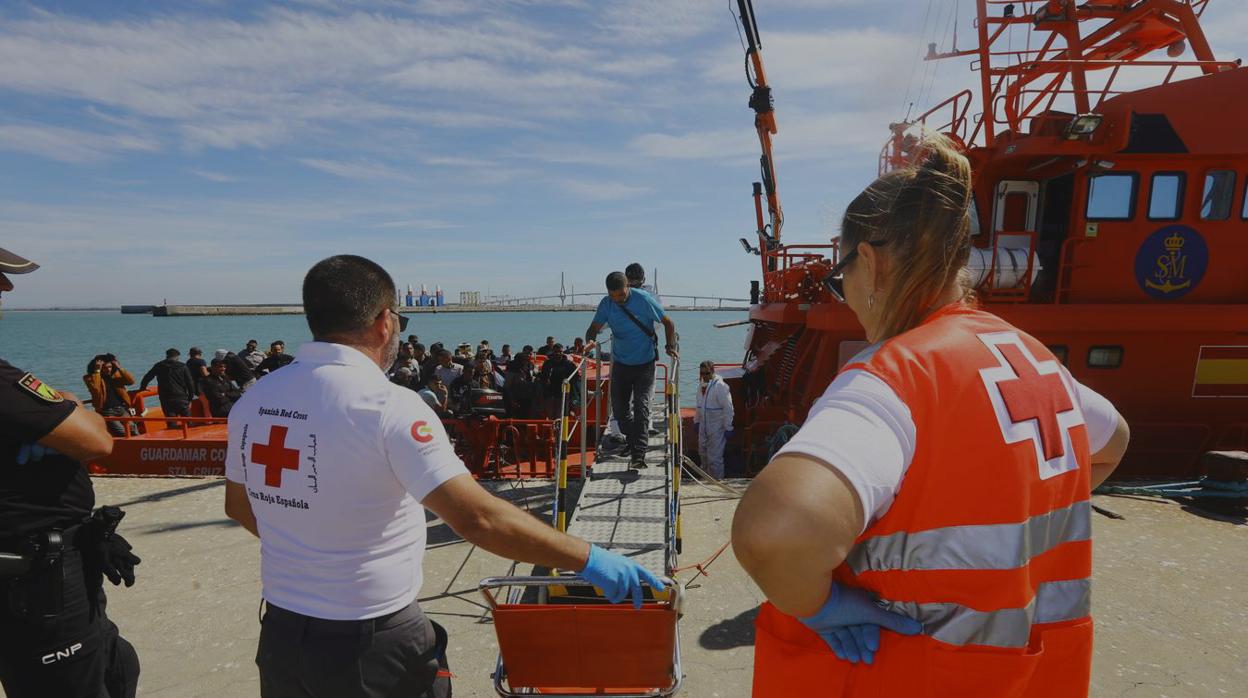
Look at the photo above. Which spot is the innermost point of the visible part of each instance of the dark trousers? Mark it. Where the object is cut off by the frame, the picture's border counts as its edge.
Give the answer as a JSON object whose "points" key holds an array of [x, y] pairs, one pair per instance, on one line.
{"points": [[118, 428], [77, 654], [394, 655], [174, 407], [631, 390]]}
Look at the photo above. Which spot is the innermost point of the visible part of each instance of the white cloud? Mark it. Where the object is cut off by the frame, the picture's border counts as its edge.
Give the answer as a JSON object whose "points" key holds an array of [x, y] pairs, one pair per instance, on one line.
{"points": [[826, 60], [801, 135], [602, 191], [70, 145], [649, 22], [213, 176], [361, 169], [419, 224]]}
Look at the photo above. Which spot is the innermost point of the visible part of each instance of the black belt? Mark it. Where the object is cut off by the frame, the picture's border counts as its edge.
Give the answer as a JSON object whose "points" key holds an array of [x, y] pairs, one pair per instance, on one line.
{"points": [[20, 544], [331, 626]]}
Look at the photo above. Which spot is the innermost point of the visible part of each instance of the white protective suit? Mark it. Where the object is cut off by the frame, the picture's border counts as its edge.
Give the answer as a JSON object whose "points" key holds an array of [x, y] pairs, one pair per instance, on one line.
{"points": [[714, 420]]}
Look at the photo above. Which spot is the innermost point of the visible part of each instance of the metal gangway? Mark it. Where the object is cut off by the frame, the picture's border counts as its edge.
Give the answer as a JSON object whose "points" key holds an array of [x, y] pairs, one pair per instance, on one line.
{"points": [[557, 635]]}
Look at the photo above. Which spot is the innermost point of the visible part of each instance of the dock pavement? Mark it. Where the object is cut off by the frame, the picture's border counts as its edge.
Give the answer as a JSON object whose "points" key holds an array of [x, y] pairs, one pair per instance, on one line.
{"points": [[1170, 595]]}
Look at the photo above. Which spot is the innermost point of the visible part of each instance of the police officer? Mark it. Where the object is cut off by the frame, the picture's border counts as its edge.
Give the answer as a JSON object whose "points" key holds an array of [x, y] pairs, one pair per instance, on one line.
{"points": [[55, 639]]}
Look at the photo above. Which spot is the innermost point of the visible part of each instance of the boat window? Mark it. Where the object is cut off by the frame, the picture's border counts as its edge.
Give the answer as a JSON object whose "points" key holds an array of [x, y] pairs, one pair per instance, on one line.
{"points": [[1244, 213], [1219, 193], [1060, 351], [1165, 197], [1111, 196], [1105, 357]]}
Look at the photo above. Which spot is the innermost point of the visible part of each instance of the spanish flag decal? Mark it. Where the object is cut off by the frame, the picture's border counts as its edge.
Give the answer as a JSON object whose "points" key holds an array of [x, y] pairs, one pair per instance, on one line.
{"points": [[39, 389], [1221, 372]]}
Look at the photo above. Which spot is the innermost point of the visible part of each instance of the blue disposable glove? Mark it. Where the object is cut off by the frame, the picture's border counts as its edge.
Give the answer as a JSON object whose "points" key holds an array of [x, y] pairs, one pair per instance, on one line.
{"points": [[617, 576], [34, 452], [850, 622]]}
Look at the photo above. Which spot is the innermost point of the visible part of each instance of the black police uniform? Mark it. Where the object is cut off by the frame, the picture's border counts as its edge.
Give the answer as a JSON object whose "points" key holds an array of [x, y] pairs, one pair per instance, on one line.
{"points": [[55, 639]]}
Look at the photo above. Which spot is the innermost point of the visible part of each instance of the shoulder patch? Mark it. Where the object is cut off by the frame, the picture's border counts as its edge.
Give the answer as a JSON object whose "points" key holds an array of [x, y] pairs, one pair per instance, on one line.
{"points": [[39, 389]]}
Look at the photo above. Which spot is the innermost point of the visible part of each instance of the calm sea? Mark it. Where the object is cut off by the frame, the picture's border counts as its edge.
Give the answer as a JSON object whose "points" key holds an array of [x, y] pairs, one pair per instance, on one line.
{"points": [[56, 345]]}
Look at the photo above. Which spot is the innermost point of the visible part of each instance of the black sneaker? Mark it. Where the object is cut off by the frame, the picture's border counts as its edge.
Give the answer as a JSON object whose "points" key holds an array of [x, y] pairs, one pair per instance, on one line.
{"points": [[638, 462]]}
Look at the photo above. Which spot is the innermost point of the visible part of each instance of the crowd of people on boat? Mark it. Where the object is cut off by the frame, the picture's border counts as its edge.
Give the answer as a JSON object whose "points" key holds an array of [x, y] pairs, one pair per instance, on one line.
{"points": [[219, 382], [529, 381]]}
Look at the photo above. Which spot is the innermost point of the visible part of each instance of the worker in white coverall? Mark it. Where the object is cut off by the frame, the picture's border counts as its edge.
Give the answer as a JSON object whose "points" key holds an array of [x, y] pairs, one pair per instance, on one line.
{"points": [[714, 419]]}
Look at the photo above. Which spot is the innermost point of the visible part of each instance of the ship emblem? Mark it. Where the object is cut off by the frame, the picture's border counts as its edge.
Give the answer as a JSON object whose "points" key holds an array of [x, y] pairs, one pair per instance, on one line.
{"points": [[1171, 262]]}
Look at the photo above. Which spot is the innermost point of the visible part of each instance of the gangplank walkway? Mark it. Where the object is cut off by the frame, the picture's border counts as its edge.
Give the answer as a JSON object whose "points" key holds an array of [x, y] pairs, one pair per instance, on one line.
{"points": [[625, 510]]}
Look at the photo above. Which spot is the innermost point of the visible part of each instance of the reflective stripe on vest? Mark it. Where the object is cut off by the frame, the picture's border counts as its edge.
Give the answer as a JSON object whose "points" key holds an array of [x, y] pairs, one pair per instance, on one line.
{"points": [[978, 547], [1009, 627]]}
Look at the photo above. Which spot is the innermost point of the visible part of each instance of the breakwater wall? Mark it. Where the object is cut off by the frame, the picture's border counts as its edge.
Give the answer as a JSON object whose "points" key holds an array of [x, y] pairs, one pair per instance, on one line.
{"points": [[201, 310]]}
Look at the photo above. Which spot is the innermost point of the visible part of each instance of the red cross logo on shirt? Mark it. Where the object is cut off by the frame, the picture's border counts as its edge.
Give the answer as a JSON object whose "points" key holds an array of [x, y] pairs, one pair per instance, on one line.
{"points": [[1034, 402], [1035, 396], [275, 457]]}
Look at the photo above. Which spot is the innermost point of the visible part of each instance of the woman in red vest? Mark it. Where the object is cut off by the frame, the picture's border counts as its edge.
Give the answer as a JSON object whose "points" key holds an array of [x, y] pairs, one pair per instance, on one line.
{"points": [[927, 532]]}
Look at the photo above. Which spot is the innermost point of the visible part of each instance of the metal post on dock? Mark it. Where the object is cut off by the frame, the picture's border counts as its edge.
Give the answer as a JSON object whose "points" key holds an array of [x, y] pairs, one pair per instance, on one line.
{"points": [[561, 498]]}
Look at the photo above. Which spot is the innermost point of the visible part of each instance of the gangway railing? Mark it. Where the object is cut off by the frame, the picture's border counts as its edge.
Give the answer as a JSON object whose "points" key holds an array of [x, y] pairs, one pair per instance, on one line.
{"points": [[565, 640]]}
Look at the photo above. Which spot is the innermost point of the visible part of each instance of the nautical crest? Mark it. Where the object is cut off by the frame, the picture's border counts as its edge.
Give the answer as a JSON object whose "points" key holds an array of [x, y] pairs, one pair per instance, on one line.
{"points": [[1171, 262]]}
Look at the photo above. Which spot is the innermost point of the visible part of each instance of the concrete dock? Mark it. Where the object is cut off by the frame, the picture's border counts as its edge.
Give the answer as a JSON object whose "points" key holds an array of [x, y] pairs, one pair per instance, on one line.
{"points": [[1171, 602]]}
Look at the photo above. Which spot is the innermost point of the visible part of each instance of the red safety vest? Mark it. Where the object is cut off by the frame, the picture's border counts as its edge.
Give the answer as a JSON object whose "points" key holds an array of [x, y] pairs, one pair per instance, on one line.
{"points": [[988, 542]]}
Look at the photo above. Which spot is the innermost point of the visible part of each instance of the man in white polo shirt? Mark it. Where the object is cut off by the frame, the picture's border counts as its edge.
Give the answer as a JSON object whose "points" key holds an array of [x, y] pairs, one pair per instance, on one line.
{"points": [[332, 466]]}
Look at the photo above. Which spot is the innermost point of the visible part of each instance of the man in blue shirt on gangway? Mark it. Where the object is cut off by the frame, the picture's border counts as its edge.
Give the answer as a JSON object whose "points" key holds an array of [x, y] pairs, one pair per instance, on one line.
{"points": [[631, 313]]}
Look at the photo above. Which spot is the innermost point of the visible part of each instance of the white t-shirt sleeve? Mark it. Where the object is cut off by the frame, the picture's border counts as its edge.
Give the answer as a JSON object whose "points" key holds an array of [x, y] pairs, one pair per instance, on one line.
{"points": [[862, 429], [1099, 414], [416, 445], [234, 471]]}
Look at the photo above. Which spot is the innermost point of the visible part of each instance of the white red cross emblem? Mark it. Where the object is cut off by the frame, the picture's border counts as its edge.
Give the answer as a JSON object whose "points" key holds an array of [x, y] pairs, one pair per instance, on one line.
{"points": [[1034, 401]]}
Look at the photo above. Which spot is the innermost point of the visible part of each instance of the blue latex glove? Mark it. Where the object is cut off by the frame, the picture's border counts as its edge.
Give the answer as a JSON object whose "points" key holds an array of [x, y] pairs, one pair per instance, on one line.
{"points": [[850, 622], [617, 576], [33, 453]]}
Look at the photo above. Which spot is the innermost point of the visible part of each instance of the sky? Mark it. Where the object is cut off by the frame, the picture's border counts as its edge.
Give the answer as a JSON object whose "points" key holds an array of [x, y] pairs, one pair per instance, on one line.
{"points": [[211, 151]]}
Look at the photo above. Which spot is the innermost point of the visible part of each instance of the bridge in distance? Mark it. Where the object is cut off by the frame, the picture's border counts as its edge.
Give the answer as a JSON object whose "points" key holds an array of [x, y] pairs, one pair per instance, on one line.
{"points": [[707, 302]]}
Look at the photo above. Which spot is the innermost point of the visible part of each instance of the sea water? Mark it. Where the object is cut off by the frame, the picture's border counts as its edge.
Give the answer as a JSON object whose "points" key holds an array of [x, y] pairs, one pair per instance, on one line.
{"points": [[56, 346]]}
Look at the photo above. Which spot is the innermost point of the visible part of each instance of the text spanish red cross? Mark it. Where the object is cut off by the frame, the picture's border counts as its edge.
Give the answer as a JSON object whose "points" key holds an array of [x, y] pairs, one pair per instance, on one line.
{"points": [[1037, 396], [275, 457]]}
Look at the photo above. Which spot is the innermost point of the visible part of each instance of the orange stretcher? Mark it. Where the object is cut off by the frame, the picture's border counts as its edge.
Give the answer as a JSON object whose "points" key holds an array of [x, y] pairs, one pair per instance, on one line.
{"points": [[584, 649]]}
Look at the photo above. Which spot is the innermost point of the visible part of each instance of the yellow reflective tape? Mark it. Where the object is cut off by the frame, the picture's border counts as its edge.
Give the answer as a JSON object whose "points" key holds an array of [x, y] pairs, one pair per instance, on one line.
{"points": [[1222, 371]]}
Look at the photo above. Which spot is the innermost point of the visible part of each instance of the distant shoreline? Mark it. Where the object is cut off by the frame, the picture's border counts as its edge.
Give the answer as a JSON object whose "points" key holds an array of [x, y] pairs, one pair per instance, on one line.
{"points": [[245, 310]]}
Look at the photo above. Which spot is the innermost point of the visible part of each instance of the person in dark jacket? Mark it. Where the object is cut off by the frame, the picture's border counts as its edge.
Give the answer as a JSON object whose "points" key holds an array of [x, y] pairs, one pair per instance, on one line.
{"points": [[221, 392], [555, 370], [276, 359], [520, 392], [237, 369], [174, 385], [198, 368]]}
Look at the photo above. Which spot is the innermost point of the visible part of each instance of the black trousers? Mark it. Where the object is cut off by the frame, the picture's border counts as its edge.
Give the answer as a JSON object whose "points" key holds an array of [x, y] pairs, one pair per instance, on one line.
{"points": [[77, 654], [174, 407], [631, 390], [395, 655]]}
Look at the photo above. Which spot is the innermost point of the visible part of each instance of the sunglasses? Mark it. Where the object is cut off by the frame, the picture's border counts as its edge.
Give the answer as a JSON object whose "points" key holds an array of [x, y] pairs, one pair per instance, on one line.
{"points": [[835, 280], [402, 319]]}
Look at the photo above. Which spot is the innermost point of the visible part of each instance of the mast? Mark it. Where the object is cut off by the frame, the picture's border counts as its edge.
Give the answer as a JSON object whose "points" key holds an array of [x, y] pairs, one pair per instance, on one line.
{"points": [[765, 123], [1018, 85]]}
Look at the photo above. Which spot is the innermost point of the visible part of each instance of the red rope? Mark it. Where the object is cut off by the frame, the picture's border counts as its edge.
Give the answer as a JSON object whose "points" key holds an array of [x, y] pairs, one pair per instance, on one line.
{"points": [[701, 566]]}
